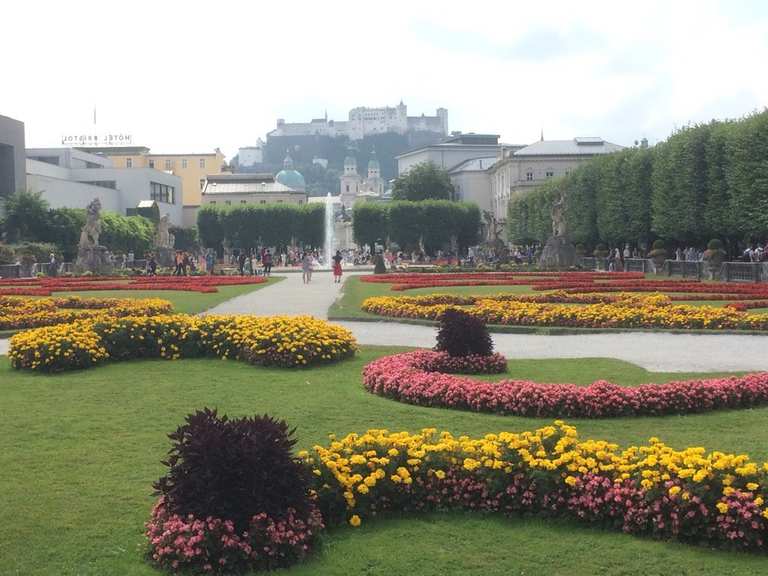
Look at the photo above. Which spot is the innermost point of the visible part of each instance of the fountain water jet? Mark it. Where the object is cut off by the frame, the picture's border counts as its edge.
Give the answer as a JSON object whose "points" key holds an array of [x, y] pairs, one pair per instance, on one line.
{"points": [[329, 232]]}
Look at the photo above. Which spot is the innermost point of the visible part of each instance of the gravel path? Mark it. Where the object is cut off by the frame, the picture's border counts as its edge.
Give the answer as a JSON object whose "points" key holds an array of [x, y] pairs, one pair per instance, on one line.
{"points": [[652, 351]]}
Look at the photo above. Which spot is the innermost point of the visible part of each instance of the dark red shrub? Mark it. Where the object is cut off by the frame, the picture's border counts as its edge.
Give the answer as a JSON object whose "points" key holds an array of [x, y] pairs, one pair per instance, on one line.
{"points": [[234, 470], [462, 334]]}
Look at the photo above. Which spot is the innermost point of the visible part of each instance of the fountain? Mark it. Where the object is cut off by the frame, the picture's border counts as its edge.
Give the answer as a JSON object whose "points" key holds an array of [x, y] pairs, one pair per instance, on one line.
{"points": [[329, 232]]}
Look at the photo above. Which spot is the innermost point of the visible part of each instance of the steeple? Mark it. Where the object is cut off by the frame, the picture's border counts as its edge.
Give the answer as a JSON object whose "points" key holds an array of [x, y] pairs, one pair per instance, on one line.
{"points": [[542, 134], [288, 162], [374, 169]]}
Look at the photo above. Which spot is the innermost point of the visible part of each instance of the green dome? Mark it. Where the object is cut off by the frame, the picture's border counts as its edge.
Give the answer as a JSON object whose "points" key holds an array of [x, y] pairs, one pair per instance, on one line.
{"points": [[292, 179]]}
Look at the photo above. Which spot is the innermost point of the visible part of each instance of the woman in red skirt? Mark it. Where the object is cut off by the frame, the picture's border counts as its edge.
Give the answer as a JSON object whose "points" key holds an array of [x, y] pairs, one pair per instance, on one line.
{"points": [[337, 267]]}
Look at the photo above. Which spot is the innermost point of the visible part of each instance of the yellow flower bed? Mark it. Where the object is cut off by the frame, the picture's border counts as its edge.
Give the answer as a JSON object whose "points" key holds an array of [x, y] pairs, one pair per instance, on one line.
{"points": [[19, 313], [626, 311], [286, 341], [551, 471]]}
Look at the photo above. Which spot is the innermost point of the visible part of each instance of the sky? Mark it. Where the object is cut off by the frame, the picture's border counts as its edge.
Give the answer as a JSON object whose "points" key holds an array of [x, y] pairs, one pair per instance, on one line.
{"points": [[192, 76]]}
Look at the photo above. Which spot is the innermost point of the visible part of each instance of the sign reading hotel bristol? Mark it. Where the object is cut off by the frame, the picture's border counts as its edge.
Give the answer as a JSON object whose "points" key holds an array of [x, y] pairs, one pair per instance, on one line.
{"points": [[97, 140]]}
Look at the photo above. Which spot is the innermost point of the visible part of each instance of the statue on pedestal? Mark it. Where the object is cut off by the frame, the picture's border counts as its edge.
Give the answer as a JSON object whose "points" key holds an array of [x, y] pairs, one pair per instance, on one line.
{"points": [[92, 257], [558, 252], [164, 240]]}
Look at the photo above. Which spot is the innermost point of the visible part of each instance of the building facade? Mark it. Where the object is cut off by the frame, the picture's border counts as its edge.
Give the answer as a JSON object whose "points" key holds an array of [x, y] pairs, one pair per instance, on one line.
{"points": [[517, 171], [363, 121], [191, 168], [451, 152], [472, 182], [249, 156], [353, 187], [244, 189], [12, 157], [71, 178]]}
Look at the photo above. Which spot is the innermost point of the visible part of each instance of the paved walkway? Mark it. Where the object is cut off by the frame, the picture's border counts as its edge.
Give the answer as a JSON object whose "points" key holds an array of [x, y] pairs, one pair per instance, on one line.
{"points": [[653, 351]]}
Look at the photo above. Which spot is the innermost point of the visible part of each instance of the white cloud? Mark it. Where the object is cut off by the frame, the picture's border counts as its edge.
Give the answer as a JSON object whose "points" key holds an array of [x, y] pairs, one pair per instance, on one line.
{"points": [[187, 76]]}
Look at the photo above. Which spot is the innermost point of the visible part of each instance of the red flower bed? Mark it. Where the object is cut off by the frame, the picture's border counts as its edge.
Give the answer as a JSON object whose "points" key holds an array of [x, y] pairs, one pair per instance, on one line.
{"points": [[406, 377], [46, 286]]}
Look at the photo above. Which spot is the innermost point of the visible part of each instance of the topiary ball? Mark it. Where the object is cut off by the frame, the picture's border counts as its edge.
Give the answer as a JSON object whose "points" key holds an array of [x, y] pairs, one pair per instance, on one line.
{"points": [[462, 334]]}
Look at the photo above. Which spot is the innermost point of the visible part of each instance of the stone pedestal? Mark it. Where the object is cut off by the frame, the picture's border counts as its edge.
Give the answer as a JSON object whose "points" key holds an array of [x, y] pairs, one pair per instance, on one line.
{"points": [[165, 257], [558, 254], [93, 259]]}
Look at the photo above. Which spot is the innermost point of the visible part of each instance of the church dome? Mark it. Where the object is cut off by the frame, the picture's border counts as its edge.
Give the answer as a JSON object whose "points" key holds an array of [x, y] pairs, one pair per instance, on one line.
{"points": [[290, 177]]}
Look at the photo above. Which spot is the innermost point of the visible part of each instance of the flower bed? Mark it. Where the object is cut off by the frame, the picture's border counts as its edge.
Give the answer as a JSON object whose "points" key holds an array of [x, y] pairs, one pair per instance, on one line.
{"points": [[47, 285], [20, 313], [410, 378], [601, 311], [713, 499], [283, 341]]}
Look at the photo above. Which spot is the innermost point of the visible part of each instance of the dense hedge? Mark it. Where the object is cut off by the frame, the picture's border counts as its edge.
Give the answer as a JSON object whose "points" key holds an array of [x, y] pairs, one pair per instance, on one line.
{"points": [[434, 223], [705, 181], [262, 225]]}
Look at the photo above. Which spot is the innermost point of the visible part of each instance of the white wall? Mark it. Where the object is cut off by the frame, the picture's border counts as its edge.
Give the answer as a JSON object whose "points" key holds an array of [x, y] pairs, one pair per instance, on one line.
{"points": [[474, 186], [444, 156]]}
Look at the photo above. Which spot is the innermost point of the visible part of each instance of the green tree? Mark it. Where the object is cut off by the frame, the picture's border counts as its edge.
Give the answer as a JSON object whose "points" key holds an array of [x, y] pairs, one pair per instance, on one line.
{"points": [[747, 175], [209, 227], [369, 223], [25, 216], [405, 224], [423, 181]]}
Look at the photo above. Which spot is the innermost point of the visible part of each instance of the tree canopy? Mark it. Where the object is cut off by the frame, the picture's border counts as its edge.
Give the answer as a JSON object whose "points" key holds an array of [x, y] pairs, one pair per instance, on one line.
{"points": [[425, 181]]}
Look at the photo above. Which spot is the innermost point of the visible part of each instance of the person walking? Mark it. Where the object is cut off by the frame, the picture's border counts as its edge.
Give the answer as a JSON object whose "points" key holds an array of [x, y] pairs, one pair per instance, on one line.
{"points": [[152, 265], [241, 263], [306, 267], [337, 267], [210, 261], [266, 260], [53, 266]]}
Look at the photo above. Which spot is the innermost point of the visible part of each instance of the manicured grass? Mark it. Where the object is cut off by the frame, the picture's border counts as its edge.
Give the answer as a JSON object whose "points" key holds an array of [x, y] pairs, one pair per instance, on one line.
{"points": [[183, 301], [79, 452]]}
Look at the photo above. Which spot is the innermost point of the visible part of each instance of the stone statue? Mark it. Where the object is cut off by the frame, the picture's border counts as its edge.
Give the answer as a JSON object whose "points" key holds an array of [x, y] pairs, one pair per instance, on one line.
{"points": [[558, 253], [92, 257], [89, 235], [558, 217], [163, 236]]}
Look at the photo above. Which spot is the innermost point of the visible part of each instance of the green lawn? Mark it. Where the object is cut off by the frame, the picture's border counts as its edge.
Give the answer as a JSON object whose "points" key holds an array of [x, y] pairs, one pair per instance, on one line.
{"points": [[183, 301], [79, 452]]}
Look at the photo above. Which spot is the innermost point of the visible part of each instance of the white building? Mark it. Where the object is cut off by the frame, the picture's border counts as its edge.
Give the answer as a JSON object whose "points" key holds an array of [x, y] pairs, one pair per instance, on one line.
{"points": [[71, 178], [251, 155], [471, 181], [451, 152], [237, 189], [364, 121], [522, 169]]}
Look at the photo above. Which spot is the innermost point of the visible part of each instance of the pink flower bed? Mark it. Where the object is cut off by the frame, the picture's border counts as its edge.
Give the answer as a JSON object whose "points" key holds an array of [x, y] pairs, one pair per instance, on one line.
{"points": [[407, 378], [213, 546], [472, 364]]}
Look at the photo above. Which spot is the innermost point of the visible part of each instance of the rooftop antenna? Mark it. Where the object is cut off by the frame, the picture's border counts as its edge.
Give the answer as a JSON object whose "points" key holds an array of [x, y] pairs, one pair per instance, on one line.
{"points": [[542, 134]]}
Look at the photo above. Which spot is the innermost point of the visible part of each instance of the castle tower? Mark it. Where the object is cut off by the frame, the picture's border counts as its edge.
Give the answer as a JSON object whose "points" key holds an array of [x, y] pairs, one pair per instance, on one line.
{"points": [[374, 168], [442, 113]]}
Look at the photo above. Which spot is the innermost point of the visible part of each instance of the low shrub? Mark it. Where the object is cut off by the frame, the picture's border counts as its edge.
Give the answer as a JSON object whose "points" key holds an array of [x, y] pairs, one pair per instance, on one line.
{"points": [[234, 497], [462, 334]]}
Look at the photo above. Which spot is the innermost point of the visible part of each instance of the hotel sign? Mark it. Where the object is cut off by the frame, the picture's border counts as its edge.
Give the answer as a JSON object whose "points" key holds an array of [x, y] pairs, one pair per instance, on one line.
{"points": [[97, 140]]}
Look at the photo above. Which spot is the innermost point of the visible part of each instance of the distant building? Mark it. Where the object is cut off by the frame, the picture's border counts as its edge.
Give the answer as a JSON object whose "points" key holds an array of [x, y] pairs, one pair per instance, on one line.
{"points": [[471, 181], [518, 170], [364, 121], [353, 187], [451, 152], [249, 156], [191, 168], [241, 189], [12, 158], [72, 178]]}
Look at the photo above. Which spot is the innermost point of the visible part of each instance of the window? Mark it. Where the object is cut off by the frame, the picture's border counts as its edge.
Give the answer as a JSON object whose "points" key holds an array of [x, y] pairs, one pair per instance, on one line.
{"points": [[347, 187], [183, 162], [151, 163], [529, 176], [169, 164], [129, 163], [262, 201], [550, 174], [213, 201], [243, 201], [228, 202], [162, 193], [202, 162], [202, 183]]}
